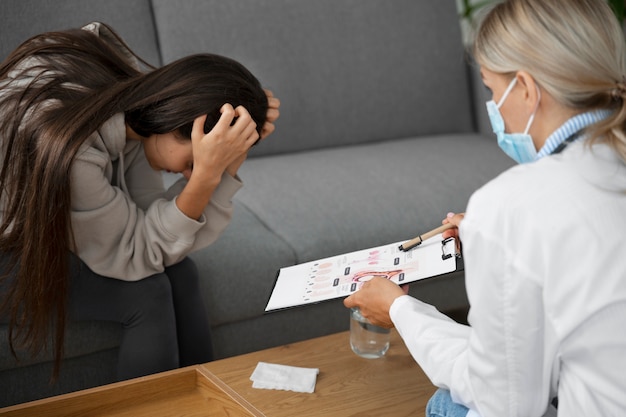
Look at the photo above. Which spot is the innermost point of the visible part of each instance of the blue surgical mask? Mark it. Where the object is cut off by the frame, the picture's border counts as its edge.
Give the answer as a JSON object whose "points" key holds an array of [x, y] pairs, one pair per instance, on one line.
{"points": [[519, 146]]}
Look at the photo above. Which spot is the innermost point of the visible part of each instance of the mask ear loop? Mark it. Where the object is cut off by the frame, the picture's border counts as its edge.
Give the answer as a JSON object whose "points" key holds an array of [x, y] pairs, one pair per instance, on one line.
{"points": [[506, 92], [532, 116]]}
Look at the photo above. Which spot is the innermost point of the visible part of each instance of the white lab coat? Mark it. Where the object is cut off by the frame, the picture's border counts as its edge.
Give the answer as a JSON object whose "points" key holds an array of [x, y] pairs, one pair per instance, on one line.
{"points": [[543, 247]]}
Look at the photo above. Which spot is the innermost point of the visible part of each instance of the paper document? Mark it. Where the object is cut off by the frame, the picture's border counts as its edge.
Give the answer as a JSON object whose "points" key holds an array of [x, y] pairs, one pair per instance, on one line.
{"points": [[340, 276]]}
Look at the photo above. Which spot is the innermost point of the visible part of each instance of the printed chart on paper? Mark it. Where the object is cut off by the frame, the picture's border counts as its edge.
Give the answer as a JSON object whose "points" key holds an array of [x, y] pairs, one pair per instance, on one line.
{"points": [[341, 275]]}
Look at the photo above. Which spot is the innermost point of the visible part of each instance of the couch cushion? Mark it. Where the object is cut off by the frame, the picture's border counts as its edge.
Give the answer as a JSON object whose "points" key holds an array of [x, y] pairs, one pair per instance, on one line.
{"points": [[132, 19], [328, 202], [238, 270], [347, 72]]}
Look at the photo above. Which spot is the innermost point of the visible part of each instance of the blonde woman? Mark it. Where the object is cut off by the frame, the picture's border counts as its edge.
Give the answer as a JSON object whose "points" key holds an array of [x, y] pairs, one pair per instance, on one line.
{"points": [[542, 243]]}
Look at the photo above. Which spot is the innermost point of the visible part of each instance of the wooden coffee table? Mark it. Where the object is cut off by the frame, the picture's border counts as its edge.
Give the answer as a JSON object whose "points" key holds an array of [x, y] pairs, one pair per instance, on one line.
{"points": [[347, 385]]}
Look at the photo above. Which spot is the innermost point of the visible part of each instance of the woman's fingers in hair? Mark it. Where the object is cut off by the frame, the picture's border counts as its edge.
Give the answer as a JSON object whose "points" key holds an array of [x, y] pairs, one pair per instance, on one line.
{"points": [[273, 104], [236, 122], [244, 125], [272, 114], [268, 126], [267, 129], [197, 131], [227, 118]]}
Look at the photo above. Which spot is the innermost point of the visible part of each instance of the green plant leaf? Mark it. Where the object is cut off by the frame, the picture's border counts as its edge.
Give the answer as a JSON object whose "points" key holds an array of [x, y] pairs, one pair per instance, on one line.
{"points": [[618, 8], [468, 8]]}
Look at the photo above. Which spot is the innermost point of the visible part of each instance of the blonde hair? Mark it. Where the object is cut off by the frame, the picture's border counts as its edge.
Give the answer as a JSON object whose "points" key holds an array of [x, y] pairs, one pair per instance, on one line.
{"points": [[574, 49]]}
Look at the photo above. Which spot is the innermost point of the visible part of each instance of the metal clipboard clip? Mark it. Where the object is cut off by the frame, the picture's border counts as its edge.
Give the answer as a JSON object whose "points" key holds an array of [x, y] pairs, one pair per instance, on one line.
{"points": [[448, 249]]}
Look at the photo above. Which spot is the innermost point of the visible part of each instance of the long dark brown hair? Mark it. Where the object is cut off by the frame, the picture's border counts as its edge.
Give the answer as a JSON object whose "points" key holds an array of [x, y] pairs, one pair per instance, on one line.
{"points": [[72, 82]]}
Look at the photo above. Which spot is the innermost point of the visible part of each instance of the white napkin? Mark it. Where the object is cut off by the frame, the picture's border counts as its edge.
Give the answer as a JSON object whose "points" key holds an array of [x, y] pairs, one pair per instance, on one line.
{"points": [[283, 377]]}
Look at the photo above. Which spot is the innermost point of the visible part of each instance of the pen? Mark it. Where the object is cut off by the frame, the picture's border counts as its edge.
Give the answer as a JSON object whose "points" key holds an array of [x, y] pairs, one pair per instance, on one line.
{"points": [[418, 240]]}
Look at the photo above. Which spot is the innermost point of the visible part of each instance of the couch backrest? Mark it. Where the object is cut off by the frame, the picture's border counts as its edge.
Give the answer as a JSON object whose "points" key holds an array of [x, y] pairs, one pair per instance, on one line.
{"points": [[346, 71], [132, 19]]}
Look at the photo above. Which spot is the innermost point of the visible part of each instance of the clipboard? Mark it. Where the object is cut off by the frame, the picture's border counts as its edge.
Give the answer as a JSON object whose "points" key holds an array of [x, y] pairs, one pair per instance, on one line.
{"points": [[339, 276]]}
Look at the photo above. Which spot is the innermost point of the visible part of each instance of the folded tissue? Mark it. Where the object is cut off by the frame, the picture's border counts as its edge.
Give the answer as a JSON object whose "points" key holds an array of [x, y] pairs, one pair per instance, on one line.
{"points": [[283, 377]]}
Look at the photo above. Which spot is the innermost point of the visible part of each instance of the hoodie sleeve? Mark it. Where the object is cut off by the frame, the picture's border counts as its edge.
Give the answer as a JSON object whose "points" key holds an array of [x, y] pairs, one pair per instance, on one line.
{"points": [[124, 224], [118, 238]]}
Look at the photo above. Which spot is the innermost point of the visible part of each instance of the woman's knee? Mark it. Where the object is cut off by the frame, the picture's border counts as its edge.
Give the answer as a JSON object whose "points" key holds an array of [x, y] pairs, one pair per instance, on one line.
{"points": [[184, 278], [96, 297], [155, 289], [183, 269], [149, 299]]}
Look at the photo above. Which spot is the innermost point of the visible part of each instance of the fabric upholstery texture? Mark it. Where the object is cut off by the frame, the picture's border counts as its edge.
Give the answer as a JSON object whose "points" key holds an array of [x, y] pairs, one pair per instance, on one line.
{"points": [[132, 19], [347, 72]]}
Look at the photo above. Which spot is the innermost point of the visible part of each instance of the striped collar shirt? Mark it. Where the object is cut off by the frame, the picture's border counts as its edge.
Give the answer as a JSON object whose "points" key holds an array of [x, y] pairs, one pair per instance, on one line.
{"points": [[571, 127]]}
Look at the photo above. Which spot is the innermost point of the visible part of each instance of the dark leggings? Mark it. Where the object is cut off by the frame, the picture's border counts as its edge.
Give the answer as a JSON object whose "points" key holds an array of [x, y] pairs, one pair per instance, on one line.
{"points": [[163, 317]]}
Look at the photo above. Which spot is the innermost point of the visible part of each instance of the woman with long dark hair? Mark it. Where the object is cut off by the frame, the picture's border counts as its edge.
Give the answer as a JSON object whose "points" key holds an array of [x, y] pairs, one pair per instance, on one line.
{"points": [[87, 231]]}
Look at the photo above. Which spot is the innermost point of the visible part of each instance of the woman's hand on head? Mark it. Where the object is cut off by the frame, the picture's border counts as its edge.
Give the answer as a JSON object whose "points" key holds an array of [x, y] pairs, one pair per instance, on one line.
{"points": [[226, 146], [273, 113], [374, 299]]}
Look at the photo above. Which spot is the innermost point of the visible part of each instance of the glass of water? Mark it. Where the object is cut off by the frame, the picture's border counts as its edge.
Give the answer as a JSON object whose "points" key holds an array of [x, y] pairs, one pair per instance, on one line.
{"points": [[367, 340]]}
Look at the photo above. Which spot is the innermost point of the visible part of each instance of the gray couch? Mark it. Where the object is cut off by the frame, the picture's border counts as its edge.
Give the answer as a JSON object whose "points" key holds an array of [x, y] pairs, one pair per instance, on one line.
{"points": [[382, 132]]}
